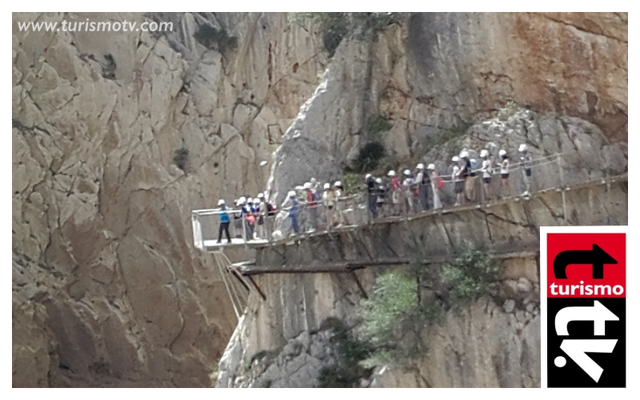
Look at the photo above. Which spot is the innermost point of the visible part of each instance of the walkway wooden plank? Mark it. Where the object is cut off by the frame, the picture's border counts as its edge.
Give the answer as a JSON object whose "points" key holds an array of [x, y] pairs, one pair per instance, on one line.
{"points": [[350, 266]]}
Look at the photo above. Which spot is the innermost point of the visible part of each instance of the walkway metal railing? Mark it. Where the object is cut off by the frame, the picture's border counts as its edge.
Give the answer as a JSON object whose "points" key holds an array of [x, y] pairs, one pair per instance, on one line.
{"points": [[547, 172]]}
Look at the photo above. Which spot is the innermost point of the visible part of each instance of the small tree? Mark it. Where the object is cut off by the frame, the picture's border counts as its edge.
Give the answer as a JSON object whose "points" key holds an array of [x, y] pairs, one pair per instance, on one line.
{"points": [[470, 275], [392, 319]]}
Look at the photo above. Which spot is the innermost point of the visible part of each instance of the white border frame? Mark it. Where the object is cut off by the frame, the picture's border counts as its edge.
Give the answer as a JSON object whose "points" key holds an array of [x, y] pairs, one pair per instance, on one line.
{"points": [[631, 372]]}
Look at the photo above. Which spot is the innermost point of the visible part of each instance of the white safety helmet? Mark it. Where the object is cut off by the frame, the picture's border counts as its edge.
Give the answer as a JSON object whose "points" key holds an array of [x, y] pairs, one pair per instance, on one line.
{"points": [[242, 200], [250, 200], [378, 180], [455, 159], [407, 172], [327, 186], [391, 173], [313, 180], [307, 185], [256, 201], [420, 166], [522, 148], [260, 195], [431, 167], [367, 176], [221, 202], [484, 153], [464, 154], [292, 193], [502, 153], [337, 184]]}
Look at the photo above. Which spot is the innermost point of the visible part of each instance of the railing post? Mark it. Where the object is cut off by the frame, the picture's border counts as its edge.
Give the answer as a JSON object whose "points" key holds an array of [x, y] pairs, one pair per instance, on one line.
{"points": [[244, 227], [197, 231], [562, 188]]}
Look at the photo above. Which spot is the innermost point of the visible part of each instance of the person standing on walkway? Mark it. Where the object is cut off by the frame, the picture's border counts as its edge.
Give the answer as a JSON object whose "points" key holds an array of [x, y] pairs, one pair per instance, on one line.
{"points": [[436, 181], [372, 195], [311, 206], [338, 190], [381, 192], [408, 186], [292, 203], [504, 173], [423, 182], [261, 223], [469, 177], [395, 193], [328, 200], [224, 222], [487, 172], [458, 176], [525, 161]]}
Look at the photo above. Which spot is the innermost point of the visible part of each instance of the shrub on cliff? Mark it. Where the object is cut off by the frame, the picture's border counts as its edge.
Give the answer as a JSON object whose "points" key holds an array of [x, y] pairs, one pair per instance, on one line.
{"points": [[215, 39], [470, 275], [333, 27], [368, 157], [393, 318], [348, 370]]}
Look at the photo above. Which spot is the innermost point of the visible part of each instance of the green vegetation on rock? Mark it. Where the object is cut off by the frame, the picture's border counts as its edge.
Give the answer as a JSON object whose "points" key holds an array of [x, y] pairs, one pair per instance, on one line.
{"points": [[348, 370], [335, 26]]}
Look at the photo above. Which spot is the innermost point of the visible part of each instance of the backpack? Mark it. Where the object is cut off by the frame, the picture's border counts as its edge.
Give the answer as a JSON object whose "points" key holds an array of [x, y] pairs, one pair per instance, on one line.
{"points": [[440, 183]]}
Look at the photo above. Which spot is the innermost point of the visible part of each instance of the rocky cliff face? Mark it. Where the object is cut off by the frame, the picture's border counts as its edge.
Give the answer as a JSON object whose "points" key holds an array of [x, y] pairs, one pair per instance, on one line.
{"points": [[438, 71], [108, 288], [494, 342], [555, 81]]}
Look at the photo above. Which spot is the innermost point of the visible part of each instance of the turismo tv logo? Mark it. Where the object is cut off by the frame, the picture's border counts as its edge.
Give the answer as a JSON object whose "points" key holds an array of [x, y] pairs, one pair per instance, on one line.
{"points": [[586, 309]]}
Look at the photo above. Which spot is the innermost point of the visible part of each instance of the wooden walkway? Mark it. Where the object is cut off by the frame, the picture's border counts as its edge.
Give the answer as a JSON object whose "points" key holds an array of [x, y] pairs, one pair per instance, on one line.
{"points": [[249, 268], [442, 211]]}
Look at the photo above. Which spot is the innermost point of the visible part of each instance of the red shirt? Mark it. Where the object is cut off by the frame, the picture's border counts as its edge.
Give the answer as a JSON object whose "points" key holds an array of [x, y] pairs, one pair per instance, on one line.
{"points": [[395, 183], [310, 198]]}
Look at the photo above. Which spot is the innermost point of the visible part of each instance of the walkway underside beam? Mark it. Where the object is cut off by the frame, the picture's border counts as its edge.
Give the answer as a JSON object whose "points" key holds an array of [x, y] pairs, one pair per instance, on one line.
{"points": [[349, 266]]}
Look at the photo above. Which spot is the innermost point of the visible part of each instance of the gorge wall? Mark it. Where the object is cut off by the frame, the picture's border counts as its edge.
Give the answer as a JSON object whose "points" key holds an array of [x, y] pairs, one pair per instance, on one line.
{"points": [[494, 342], [108, 289], [557, 82], [438, 71]]}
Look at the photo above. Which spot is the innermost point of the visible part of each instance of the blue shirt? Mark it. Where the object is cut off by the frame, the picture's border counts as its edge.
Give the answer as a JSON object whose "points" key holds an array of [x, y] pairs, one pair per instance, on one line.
{"points": [[224, 217]]}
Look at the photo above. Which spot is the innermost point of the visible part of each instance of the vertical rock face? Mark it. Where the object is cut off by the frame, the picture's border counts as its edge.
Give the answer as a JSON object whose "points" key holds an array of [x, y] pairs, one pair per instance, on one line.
{"points": [[438, 71], [555, 81], [108, 288]]}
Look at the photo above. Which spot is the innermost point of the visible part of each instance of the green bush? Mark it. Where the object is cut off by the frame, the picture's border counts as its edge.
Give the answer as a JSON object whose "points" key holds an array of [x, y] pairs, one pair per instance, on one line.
{"points": [[451, 137], [353, 183], [334, 27], [368, 157], [180, 157], [470, 275], [392, 319], [348, 369], [378, 125], [215, 39]]}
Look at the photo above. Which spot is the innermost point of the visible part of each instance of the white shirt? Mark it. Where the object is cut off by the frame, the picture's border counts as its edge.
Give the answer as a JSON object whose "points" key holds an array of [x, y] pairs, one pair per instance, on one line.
{"points": [[486, 169], [504, 167]]}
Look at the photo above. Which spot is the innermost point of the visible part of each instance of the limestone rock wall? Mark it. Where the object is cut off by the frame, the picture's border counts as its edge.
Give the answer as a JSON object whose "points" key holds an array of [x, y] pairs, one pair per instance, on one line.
{"points": [[438, 71], [101, 213], [492, 343]]}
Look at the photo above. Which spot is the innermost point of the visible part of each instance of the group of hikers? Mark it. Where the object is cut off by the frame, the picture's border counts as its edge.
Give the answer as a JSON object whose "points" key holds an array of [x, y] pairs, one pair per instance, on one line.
{"points": [[250, 212], [421, 189]]}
